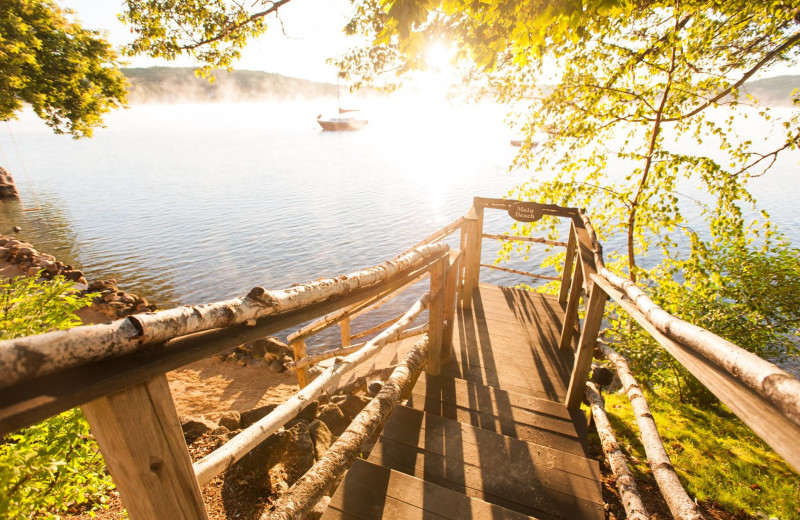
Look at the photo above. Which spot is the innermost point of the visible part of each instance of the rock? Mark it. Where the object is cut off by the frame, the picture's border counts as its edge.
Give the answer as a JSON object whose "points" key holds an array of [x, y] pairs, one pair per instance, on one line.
{"points": [[602, 376], [324, 399], [350, 405], [319, 509], [321, 436], [248, 417], [17, 229], [275, 346], [309, 413], [193, 427], [374, 387], [32, 271], [72, 275], [232, 420], [110, 297], [256, 362], [127, 298], [299, 456], [277, 366], [333, 418]]}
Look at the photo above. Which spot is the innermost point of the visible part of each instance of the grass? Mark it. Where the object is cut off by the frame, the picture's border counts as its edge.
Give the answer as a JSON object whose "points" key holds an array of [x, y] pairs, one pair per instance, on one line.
{"points": [[717, 457]]}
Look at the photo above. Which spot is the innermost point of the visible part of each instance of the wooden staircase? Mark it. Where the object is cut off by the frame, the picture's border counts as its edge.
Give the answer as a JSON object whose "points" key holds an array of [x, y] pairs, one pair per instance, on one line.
{"points": [[490, 436]]}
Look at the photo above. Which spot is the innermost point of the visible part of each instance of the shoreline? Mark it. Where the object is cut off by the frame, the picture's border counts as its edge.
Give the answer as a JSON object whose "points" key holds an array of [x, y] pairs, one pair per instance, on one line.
{"points": [[208, 387]]}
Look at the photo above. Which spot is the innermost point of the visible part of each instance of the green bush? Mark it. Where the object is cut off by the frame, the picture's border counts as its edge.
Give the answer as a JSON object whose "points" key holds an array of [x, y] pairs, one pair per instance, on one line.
{"points": [[56, 464]]}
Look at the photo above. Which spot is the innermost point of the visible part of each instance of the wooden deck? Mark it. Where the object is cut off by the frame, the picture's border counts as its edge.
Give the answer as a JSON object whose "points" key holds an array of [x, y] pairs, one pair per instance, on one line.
{"points": [[489, 437]]}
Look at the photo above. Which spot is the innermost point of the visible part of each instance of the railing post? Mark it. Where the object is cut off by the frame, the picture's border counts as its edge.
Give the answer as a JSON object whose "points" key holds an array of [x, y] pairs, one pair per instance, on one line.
{"points": [[583, 357], [140, 437], [345, 326], [571, 313], [474, 230], [436, 316], [450, 290], [568, 261], [299, 347]]}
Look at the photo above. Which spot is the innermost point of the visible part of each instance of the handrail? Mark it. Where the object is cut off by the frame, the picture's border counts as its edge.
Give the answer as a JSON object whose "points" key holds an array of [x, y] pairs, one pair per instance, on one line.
{"points": [[23, 359], [535, 240], [224, 457]]}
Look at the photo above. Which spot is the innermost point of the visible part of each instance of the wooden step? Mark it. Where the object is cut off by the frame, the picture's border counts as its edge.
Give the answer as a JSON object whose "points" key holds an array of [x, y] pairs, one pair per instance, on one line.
{"points": [[515, 415], [525, 477], [506, 377], [369, 492]]}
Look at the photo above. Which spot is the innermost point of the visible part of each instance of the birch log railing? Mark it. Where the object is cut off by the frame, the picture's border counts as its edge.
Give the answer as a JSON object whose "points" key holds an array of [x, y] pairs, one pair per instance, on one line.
{"points": [[116, 371]]}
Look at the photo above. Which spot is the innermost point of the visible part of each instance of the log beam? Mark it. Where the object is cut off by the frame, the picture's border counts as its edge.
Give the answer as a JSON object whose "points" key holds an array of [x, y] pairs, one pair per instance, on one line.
{"points": [[141, 440]]}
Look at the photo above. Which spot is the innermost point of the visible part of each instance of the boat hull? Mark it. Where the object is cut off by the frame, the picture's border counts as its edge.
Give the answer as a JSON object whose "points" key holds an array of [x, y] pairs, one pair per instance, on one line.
{"points": [[348, 125]]}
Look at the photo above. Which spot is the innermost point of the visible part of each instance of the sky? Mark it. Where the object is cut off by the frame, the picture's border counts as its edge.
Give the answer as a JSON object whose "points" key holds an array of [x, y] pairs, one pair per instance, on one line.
{"points": [[313, 34]]}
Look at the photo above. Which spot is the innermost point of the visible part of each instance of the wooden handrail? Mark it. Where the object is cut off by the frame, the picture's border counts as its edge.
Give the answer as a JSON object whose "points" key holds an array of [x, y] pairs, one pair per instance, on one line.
{"points": [[312, 359], [536, 240], [225, 456], [26, 358], [524, 273]]}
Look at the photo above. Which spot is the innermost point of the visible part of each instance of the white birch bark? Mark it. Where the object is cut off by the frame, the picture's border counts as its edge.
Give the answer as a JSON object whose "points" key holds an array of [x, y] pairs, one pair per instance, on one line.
{"points": [[626, 484], [680, 505], [766, 379], [33, 356], [224, 457]]}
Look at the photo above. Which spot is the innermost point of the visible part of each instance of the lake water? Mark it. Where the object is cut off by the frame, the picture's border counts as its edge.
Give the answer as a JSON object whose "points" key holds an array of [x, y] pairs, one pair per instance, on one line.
{"points": [[195, 203]]}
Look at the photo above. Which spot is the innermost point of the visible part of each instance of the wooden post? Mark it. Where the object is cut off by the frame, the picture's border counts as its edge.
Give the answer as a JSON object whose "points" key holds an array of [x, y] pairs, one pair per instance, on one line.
{"points": [[571, 314], [140, 436], [568, 261], [436, 316], [583, 358], [299, 346], [474, 229], [450, 288], [345, 326]]}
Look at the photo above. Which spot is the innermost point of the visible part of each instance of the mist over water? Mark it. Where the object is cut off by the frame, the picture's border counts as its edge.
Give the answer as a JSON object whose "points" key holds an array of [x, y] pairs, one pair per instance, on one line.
{"points": [[192, 203]]}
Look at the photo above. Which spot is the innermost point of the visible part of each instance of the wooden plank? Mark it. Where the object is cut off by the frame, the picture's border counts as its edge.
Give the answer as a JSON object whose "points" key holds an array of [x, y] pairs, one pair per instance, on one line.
{"points": [[436, 316], [583, 358], [299, 348], [31, 401], [141, 440], [566, 275], [510, 483], [571, 314], [757, 413], [450, 296], [371, 492], [490, 395], [500, 381], [566, 456], [344, 325]]}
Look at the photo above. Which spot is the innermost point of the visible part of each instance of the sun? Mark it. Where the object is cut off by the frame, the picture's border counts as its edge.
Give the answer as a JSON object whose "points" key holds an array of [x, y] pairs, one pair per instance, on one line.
{"points": [[438, 56]]}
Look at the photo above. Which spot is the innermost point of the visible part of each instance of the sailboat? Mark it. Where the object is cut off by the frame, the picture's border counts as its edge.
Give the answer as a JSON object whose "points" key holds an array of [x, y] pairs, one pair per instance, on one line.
{"points": [[341, 123]]}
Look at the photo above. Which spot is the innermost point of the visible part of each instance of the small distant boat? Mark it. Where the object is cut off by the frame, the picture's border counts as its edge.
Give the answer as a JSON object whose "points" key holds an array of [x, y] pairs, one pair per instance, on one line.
{"points": [[341, 124], [518, 142]]}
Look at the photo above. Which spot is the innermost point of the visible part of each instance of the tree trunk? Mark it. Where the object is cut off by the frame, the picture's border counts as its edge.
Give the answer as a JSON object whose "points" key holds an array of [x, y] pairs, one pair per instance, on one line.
{"points": [[25, 358], [298, 501], [681, 506], [224, 457], [626, 485]]}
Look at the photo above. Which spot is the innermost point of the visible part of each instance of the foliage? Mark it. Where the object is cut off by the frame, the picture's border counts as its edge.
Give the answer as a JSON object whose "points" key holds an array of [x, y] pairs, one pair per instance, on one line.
{"points": [[69, 75], [615, 84], [55, 464], [211, 32], [745, 292], [716, 456], [30, 306]]}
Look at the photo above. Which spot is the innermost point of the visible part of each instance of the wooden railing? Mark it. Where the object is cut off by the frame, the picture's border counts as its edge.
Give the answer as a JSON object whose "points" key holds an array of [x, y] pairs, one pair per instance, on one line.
{"points": [[116, 371], [579, 265]]}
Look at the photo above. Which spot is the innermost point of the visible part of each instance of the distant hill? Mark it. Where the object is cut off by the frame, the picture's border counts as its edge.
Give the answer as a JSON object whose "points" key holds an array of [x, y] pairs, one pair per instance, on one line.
{"points": [[773, 91], [180, 85]]}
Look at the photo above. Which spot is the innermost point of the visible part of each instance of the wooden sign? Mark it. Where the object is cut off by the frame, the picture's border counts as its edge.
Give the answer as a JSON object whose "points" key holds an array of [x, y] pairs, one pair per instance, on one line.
{"points": [[525, 211]]}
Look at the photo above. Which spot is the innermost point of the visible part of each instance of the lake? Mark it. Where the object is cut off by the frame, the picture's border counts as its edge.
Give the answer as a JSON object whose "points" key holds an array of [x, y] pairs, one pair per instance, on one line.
{"points": [[196, 203]]}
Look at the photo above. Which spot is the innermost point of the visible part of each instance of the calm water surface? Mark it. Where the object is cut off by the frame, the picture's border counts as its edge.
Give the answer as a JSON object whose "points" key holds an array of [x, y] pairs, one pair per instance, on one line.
{"points": [[196, 203]]}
